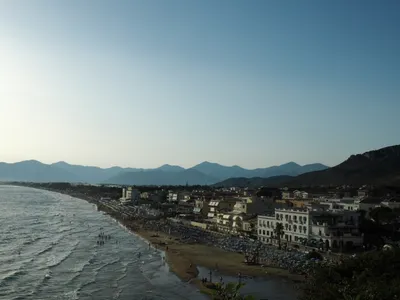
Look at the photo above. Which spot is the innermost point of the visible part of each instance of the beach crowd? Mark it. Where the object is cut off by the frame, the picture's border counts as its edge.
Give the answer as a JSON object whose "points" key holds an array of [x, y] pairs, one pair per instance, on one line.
{"points": [[291, 259]]}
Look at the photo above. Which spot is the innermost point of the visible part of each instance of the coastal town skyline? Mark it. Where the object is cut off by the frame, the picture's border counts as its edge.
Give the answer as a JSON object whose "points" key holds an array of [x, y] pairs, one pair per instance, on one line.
{"points": [[145, 83]]}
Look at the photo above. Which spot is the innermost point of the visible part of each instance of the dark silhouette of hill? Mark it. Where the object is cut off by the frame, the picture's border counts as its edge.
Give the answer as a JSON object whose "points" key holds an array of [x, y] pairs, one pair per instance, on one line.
{"points": [[377, 167], [254, 182]]}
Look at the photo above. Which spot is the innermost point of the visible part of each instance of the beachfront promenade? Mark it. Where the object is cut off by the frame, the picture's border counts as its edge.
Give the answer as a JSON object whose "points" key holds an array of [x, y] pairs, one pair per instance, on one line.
{"points": [[143, 218]]}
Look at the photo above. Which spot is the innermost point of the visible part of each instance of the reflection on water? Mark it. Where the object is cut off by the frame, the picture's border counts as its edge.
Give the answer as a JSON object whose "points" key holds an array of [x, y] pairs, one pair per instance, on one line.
{"points": [[261, 288]]}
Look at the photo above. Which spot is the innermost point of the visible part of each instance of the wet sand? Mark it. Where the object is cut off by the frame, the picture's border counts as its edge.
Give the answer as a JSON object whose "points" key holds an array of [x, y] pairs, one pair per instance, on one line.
{"points": [[183, 260]]}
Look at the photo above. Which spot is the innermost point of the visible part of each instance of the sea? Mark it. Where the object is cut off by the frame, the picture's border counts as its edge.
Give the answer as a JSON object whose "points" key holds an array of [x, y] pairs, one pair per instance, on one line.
{"points": [[53, 246]]}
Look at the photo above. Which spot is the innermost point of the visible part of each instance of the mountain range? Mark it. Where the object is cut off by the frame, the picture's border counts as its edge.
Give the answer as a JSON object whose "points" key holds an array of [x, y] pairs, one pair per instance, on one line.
{"points": [[204, 173], [377, 167]]}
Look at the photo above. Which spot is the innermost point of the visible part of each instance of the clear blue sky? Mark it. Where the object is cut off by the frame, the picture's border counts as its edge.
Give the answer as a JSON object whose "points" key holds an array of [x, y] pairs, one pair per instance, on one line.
{"points": [[143, 83]]}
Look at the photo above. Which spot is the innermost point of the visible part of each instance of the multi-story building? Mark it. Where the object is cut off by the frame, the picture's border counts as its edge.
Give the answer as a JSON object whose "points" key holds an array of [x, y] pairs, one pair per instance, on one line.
{"points": [[295, 225], [172, 197], [130, 194], [201, 206], [318, 227], [231, 222], [338, 229], [219, 206]]}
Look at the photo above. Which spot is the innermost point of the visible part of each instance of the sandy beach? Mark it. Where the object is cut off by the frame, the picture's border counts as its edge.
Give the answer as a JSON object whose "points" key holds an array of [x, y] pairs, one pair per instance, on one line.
{"points": [[183, 258]]}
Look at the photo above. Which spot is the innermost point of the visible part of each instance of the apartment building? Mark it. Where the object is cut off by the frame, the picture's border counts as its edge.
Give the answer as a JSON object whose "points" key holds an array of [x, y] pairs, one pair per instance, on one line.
{"points": [[220, 206], [319, 227], [130, 194], [295, 225], [231, 222]]}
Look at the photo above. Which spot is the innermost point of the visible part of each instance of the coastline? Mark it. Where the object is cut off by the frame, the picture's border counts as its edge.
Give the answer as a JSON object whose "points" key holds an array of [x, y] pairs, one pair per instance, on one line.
{"points": [[184, 258]]}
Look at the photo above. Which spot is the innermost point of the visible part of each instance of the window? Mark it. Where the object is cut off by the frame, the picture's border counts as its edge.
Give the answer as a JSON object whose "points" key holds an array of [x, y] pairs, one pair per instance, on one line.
{"points": [[259, 231], [263, 232], [267, 232], [267, 223], [304, 229], [290, 227]]}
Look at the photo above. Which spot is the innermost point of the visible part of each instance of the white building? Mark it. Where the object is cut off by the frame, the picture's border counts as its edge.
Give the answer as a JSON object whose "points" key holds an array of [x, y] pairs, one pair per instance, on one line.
{"points": [[295, 226], [320, 227], [172, 197]]}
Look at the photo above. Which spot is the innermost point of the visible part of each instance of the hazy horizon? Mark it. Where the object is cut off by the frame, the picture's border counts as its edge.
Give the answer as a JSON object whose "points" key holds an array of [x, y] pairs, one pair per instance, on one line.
{"points": [[144, 167], [145, 83]]}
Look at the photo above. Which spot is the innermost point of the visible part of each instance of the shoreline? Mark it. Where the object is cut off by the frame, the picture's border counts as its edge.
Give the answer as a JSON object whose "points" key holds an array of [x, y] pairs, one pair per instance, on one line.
{"points": [[184, 258]]}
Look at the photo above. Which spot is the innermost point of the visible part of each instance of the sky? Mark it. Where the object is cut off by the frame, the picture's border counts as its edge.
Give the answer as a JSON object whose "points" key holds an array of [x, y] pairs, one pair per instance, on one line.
{"points": [[250, 83]]}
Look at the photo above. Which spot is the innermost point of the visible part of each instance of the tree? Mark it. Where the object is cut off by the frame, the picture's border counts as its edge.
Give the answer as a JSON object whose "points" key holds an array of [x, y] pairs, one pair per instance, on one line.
{"points": [[369, 276], [279, 233], [382, 215], [230, 291]]}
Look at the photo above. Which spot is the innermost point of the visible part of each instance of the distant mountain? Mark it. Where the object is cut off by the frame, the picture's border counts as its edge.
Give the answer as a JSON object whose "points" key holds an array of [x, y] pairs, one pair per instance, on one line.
{"points": [[35, 171], [88, 173], [157, 177], [224, 172], [377, 167], [169, 168], [254, 182], [204, 173]]}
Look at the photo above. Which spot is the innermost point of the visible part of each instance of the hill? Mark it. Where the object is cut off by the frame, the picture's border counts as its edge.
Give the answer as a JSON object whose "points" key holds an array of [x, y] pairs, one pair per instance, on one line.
{"points": [[377, 167], [35, 171], [157, 177], [253, 182], [224, 172], [204, 173]]}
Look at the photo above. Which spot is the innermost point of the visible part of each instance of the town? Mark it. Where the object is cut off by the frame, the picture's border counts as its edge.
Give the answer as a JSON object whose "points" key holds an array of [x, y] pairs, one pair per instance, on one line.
{"points": [[329, 220]]}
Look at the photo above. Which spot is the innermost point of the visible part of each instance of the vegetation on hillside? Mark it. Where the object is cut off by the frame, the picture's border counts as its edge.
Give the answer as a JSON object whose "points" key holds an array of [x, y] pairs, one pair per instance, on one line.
{"points": [[369, 276]]}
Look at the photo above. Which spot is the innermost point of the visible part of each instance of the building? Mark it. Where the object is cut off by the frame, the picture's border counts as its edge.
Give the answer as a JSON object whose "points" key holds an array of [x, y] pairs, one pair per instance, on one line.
{"points": [[231, 222], [321, 227], [184, 196], [219, 206], [185, 207], [254, 205], [336, 230], [295, 226], [130, 194], [201, 207], [172, 197]]}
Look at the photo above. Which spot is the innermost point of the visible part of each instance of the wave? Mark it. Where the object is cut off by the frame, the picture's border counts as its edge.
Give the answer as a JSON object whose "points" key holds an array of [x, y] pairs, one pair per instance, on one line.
{"points": [[64, 229], [13, 276], [97, 270], [63, 258], [30, 242], [79, 270], [87, 284], [47, 249]]}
